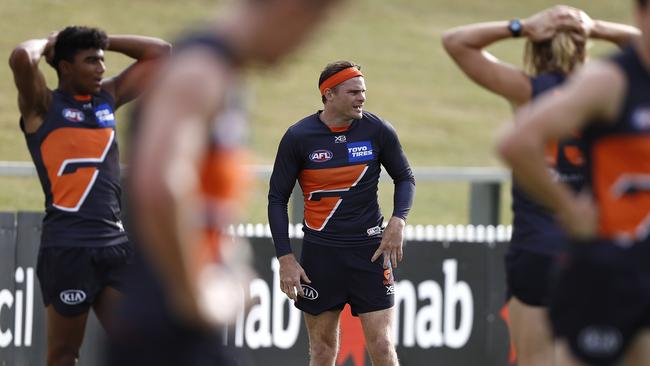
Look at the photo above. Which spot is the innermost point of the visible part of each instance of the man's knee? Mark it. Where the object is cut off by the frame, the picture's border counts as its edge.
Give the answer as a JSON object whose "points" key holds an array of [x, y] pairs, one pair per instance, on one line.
{"points": [[62, 355], [381, 345], [535, 360], [323, 347]]}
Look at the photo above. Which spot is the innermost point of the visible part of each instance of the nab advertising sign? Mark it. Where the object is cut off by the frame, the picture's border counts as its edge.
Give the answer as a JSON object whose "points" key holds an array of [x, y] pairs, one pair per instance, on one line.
{"points": [[446, 311], [448, 301]]}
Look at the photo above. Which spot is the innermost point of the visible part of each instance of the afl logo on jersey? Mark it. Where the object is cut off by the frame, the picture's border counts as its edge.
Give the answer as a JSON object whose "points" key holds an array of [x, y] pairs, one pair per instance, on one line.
{"points": [[320, 156], [73, 115]]}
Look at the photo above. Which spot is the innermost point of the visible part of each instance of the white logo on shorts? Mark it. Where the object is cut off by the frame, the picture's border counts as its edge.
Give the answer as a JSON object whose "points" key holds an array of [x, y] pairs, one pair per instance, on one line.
{"points": [[310, 292], [374, 231], [72, 297], [600, 340], [119, 225], [390, 290]]}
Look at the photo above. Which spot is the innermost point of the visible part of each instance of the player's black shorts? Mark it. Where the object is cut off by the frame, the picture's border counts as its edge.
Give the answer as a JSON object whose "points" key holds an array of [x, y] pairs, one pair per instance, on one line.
{"points": [[72, 277], [341, 275], [601, 299], [146, 331], [174, 345], [527, 276]]}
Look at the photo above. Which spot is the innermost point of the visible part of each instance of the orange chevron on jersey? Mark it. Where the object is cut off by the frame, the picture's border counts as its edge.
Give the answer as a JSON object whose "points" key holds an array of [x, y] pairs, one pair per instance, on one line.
{"points": [[322, 189], [621, 179], [573, 155], [223, 174], [224, 183], [66, 146]]}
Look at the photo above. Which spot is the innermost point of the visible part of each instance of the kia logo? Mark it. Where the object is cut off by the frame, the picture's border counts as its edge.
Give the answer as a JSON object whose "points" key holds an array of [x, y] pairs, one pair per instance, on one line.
{"points": [[72, 297], [320, 156], [310, 293], [600, 340]]}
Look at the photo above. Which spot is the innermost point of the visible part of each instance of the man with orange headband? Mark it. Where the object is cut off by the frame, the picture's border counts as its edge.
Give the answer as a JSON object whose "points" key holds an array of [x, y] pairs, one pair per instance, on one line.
{"points": [[336, 154]]}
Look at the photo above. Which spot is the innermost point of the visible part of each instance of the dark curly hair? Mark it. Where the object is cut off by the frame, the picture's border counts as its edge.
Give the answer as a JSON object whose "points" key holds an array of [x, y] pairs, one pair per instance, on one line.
{"points": [[73, 39]]}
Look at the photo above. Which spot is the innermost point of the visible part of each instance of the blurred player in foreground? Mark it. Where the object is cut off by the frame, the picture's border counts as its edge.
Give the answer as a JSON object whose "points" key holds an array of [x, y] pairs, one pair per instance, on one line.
{"points": [[187, 173], [600, 305], [555, 48]]}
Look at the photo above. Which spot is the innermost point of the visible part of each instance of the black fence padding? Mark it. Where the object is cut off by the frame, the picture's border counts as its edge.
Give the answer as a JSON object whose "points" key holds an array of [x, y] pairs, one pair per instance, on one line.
{"points": [[449, 299]]}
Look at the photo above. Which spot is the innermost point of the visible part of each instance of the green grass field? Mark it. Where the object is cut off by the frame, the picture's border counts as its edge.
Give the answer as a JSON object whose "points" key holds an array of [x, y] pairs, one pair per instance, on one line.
{"points": [[442, 118]]}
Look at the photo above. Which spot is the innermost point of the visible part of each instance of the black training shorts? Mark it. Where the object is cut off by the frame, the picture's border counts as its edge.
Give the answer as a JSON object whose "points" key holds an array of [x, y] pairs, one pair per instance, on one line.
{"points": [[341, 275], [528, 275], [148, 331], [72, 277], [601, 299]]}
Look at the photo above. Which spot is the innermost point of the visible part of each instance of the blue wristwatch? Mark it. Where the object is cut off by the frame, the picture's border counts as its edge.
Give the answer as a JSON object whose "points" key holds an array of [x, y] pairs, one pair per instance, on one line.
{"points": [[515, 27]]}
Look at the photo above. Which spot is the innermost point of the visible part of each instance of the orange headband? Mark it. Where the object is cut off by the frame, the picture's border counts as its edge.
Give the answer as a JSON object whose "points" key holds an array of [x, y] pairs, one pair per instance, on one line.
{"points": [[338, 78]]}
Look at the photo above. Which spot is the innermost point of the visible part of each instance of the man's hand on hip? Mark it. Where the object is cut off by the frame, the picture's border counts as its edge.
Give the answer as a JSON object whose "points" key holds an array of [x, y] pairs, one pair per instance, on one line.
{"points": [[391, 243]]}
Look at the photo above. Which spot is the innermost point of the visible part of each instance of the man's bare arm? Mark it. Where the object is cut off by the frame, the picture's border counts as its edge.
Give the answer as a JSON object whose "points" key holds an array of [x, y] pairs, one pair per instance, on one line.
{"points": [[33, 94], [148, 52]]}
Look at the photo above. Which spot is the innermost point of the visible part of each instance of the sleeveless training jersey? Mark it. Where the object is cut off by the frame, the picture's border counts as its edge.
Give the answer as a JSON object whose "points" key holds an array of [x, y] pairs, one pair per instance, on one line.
{"points": [[338, 173], [76, 156], [534, 228], [619, 158]]}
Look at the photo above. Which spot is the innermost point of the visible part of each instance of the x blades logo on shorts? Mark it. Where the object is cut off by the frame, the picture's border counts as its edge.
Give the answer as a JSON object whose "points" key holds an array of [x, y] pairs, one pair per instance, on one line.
{"points": [[390, 290]]}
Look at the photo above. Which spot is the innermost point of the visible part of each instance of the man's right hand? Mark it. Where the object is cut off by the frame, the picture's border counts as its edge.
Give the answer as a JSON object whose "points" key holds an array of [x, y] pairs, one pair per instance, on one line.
{"points": [[544, 25], [48, 50], [290, 275]]}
